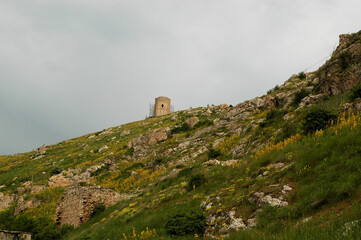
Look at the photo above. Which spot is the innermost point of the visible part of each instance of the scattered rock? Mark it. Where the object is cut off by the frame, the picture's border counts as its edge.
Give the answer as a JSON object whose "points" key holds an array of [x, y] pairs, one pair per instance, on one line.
{"points": [[222, 163], [41, 150], [102, 149], [261, 198], [125, 132], [192, 121]]}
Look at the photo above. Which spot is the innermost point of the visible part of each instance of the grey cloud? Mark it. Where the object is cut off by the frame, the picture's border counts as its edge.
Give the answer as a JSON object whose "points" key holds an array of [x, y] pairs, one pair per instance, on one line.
{"points": [[71, 67]]}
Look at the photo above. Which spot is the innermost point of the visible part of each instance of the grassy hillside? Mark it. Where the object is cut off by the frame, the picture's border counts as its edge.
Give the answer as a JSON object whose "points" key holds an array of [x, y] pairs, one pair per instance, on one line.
{"points": [[282, 166]]}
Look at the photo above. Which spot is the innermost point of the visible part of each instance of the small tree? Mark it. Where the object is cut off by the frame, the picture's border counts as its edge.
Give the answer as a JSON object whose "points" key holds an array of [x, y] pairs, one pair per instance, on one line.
{"points": [[317, 119]]}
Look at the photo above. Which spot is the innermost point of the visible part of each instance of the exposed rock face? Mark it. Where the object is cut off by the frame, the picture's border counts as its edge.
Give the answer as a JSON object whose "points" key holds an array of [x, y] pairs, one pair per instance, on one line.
{"points": [[29, 186], [192, 121], [21, 205], [59, 181], [311, 99], [244, 109], [77, 203], [5, 201], [41, 150], [151, 138], [343, 70]]}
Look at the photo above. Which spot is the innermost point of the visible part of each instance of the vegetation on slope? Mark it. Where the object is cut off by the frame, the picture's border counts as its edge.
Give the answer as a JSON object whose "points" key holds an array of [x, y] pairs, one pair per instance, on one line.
{"points": [[283, 166]]}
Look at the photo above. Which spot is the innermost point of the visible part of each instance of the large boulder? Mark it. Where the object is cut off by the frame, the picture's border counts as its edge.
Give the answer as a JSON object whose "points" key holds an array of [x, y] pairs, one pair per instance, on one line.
{"points": [[78, 202], [192, 121], [150, 138], [59, 181]]}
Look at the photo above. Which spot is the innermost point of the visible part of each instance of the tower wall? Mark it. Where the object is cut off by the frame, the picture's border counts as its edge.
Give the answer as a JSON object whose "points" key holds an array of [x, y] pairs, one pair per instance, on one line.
{"points": [[161, 106]]}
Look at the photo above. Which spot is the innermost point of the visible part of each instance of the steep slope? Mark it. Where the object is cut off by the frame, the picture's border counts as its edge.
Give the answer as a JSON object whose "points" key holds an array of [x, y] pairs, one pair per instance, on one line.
{"points": [[268, 165]]}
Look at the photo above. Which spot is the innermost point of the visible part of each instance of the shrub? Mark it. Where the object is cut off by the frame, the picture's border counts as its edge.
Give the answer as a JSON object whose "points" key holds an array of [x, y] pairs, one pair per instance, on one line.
{"points": [[356, 93], [273, 89], [345, 59], [181, 224], [273, 115], [213, 153], [205, 122], [130, 151], [182, 128], [299, 95], [302, 75], [317, 119], [55, 171], [98, 209], [196, 181]]}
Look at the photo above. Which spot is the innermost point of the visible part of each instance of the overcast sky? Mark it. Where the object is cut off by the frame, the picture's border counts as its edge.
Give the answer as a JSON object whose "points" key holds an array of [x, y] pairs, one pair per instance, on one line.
{"points": [[71, 67]]}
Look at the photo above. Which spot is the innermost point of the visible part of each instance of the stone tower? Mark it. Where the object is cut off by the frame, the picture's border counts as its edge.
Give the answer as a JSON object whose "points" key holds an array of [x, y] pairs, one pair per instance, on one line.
{"points": [[161, 106]]}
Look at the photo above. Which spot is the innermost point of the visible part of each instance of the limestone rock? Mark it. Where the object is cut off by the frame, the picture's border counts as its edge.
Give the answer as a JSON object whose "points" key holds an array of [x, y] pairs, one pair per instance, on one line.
{"points": [[192, 121], [77, 203], [311, 99], [59, 181], [261, 198], [151, 138], [102, 149], [22, 205], [41, 150], [125, 133]]}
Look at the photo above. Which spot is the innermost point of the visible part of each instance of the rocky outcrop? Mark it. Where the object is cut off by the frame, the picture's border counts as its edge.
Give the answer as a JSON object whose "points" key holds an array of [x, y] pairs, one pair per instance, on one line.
{"points": [[78, 202], [343, 70], [41, 150], [311, 99], [22, 205], [59, 181], [245, 109], [151, 138], [192, 121]]}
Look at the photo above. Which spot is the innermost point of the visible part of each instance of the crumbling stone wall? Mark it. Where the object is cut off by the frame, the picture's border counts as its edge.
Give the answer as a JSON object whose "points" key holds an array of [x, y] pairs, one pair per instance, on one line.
{"points": [[11, 235], [78, 202]]}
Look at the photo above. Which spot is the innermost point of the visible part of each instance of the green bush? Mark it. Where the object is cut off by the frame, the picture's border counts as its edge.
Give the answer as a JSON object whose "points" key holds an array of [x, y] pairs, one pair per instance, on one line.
{"points": [[273, 89], [196, 181], [55, 171], [299, 95], [274, 115], [355, 93], [213, 153], [205, 122], [345, 60], [302, 75], [98, 209], [186, 223], [130, 151], [182, 128], [317, 119]]}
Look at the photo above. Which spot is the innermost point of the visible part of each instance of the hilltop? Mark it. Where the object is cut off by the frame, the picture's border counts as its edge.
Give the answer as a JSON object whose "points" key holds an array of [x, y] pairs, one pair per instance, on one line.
{"points": [[285, 165]]}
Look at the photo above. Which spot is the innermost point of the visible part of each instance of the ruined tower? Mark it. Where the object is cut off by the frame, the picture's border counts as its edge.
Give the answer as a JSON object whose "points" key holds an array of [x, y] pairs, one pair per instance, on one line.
{"points": [[161, 106]]}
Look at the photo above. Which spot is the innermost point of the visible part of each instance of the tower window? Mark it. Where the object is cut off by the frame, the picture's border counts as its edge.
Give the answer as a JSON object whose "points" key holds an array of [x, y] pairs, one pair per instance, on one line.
{"points": [[162, 105]]}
